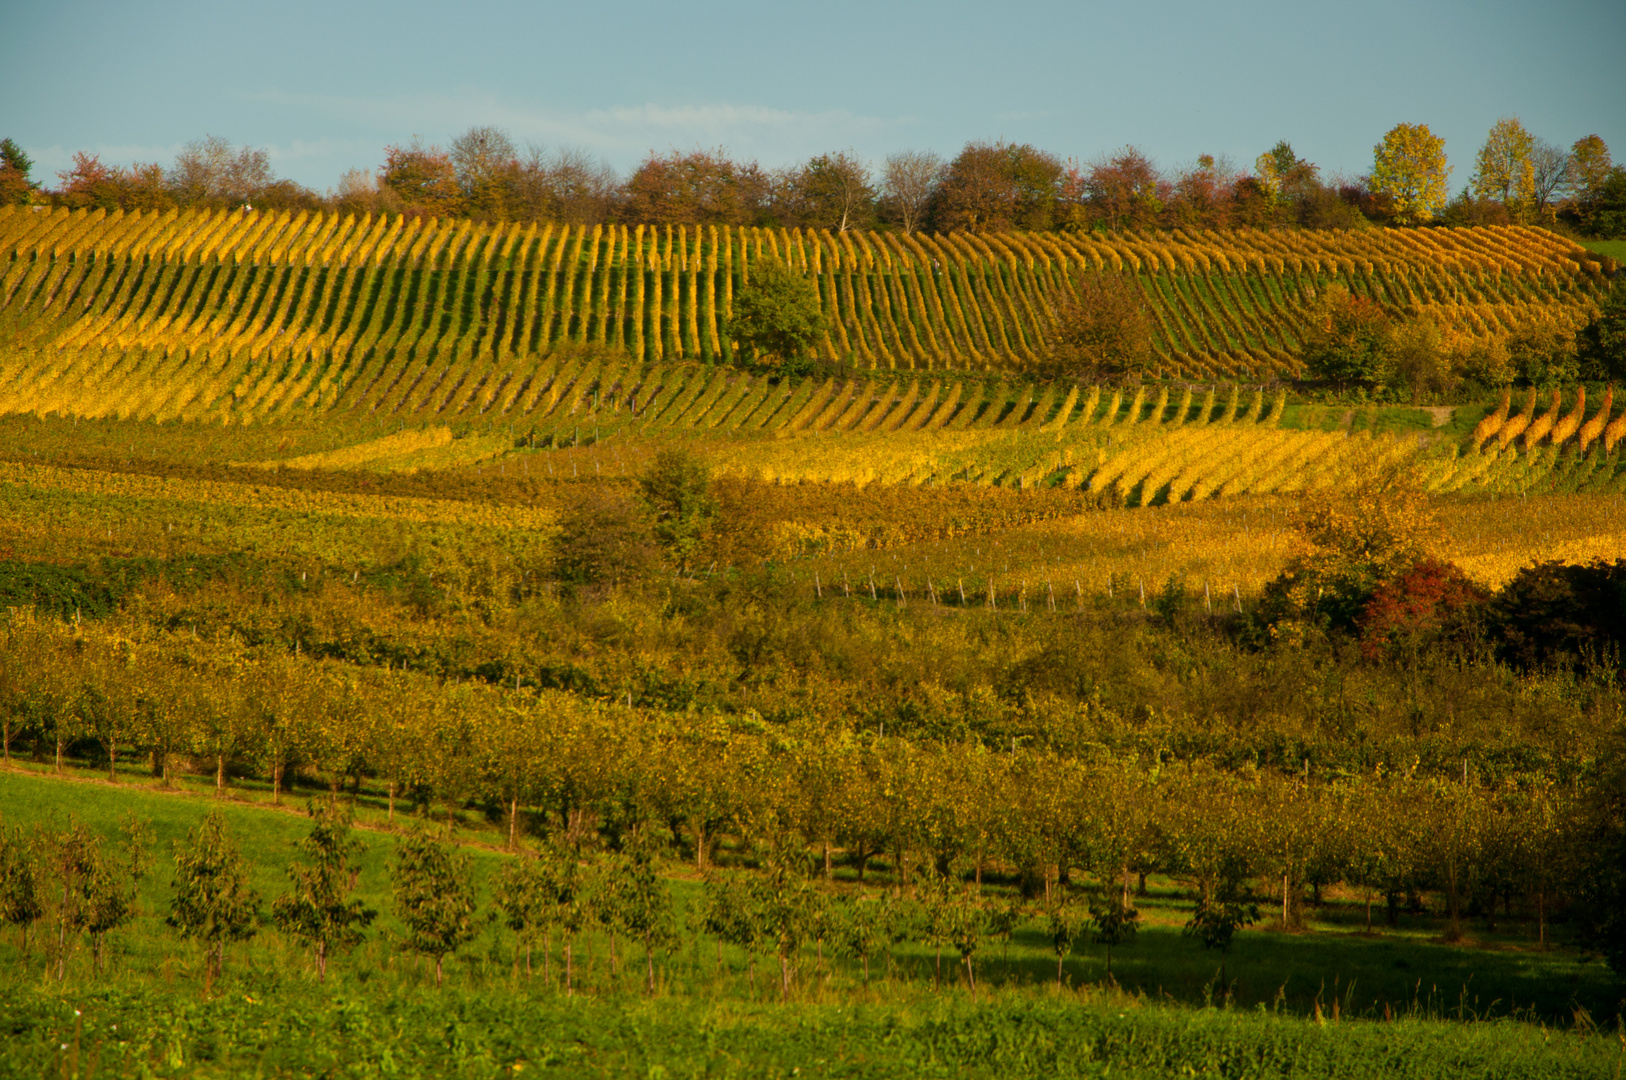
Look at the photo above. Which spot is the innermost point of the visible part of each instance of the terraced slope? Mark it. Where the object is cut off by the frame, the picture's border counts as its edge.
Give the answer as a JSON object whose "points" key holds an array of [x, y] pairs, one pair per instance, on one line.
{"points": [[285, 311]]}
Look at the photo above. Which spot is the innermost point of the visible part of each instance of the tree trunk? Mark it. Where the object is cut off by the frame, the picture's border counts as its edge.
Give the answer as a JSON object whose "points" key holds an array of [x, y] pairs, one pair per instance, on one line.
{"points": [[391, 816], [971, 974], [220, 774], [112, 761], [513, 822], [276, 783], [59, 755], [321, 961], [439, 959], [570, 973], [649, 960]]}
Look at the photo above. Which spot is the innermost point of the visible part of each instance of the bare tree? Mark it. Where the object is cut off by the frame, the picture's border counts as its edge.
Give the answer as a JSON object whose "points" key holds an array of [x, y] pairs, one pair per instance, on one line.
{"points": [[566, 185], [485, 161], [209, 170], [1551, 173], [908, 184]]}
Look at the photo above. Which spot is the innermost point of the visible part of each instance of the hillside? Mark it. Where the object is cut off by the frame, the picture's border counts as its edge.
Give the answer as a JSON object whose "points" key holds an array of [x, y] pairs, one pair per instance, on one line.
{"points": [[333, 305]]}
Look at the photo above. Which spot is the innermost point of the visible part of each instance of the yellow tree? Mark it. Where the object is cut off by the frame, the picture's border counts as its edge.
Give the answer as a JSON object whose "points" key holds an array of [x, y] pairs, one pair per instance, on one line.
{"points": [[1589, 166], [1409, 168], [1505, 168]]}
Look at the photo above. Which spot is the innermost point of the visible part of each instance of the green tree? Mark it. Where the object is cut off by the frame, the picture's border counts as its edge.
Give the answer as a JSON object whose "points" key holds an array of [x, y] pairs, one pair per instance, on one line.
{"points": [[730, 913], [968, 928], [643, 904], [21, 902], [784, 903], [98, 894], [1601, 344], [862, 929], [1409, 170], [777, 317], [1115, 922], [213, 902], [434, 896], [677, 492], [527, 894], [1220, 913], [1068, 925], [319, 910], [15, 185]]}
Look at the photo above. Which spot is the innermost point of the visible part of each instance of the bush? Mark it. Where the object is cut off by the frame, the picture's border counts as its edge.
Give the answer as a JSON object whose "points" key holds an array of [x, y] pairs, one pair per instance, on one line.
{"points": [[1349, 340], [777, 317], [1102, 331], [604, 538], [1562, 614], [1431, 604]]}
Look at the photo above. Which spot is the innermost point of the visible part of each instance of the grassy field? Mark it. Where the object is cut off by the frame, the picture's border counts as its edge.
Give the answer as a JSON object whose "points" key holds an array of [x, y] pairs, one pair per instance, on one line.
{"points": [[1401, 1003], [1615, 249]]}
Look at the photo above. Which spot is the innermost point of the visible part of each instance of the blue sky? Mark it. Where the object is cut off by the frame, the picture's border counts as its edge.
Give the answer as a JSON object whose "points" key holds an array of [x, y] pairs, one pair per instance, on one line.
{"points": [[324, 86]]}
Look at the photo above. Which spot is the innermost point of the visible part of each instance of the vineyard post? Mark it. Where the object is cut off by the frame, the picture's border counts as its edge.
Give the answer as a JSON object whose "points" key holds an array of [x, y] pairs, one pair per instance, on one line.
{"points": [[899, 582], [1236, 594], [1208, 601], [818, 592], [960, 582], [1078, 587]]}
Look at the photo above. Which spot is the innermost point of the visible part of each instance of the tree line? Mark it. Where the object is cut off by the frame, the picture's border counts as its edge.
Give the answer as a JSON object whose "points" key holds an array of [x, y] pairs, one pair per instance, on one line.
{"points": [[987, 186]]}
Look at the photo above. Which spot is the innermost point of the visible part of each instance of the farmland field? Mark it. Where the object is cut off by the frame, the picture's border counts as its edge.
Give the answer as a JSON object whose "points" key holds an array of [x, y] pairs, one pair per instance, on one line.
{"points": [[843, 757]]}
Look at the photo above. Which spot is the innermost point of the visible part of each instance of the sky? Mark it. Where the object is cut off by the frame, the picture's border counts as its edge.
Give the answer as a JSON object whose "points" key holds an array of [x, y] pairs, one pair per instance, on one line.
{"points": [[325, 86]]}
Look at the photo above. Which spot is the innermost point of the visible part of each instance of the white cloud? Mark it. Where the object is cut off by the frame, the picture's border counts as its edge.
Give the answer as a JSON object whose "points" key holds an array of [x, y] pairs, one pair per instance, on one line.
{"points": [[623, 133]]}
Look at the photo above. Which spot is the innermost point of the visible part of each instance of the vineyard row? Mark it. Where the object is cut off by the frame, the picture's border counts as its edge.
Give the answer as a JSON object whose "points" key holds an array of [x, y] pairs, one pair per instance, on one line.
{"points": [[275, 287]]}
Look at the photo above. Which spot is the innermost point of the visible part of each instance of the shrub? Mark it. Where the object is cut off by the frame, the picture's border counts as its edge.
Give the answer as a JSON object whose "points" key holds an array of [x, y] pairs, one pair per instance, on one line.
{"points": [[1432, 603], [1565, 614], [1101, 331]]}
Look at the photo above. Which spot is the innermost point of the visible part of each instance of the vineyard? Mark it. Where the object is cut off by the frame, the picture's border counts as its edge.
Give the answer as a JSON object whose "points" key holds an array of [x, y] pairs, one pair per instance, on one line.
{"points": [[262, 314]]}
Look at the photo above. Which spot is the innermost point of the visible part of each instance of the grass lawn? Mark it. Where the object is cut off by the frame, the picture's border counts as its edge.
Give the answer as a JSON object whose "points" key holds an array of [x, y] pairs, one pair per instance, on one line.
{"points": [[1404, 969], [1615, 249]]}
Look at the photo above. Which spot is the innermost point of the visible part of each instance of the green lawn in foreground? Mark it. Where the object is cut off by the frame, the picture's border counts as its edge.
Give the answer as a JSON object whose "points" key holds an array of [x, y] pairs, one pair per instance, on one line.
{"points": [[1402, 968], [380, 1014]]}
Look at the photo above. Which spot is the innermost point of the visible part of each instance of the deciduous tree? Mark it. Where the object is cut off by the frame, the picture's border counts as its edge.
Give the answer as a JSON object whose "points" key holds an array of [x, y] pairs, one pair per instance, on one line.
{"points": [[777, 317], [1101, 331], [908, 184], [319, 910], [1410, 170], [434, 897], [214, 902]]}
